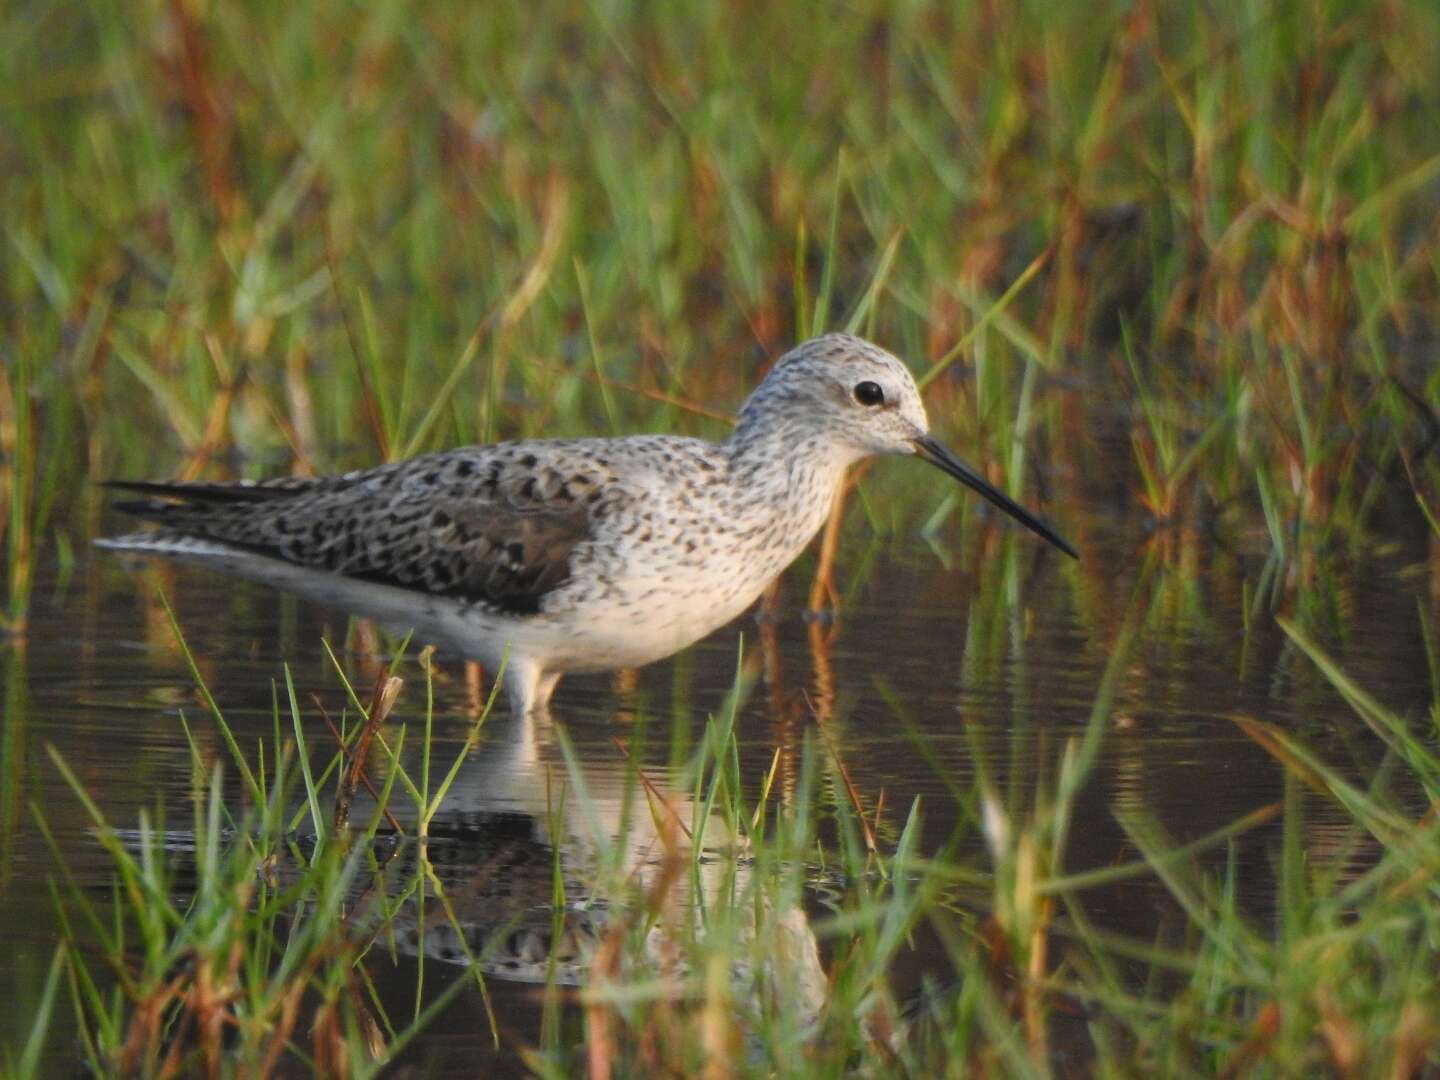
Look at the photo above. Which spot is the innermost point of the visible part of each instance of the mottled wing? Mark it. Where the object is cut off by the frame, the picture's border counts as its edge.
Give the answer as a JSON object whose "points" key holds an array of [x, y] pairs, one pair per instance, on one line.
{"points": [[496, 525]]}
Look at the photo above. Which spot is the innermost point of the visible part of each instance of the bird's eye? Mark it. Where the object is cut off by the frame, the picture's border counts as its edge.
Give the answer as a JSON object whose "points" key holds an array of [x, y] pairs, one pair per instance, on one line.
{"points": [[869, 393]]}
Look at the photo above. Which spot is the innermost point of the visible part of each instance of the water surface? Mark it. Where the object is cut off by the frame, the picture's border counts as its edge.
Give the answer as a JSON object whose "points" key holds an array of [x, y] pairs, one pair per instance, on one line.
{"points": [[989, 652]]}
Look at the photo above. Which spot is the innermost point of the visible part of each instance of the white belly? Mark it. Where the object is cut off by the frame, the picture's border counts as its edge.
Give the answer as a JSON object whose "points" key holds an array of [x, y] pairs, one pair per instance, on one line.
{"points": [[644, 622]]}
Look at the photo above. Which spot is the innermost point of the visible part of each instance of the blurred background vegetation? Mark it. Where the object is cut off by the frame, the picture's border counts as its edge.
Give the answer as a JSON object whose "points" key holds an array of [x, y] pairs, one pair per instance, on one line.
{"points": [[245, 239], [1168, 271]]}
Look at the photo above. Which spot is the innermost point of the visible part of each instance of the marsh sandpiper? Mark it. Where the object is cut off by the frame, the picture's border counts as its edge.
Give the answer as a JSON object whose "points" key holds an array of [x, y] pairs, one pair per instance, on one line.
{"points": [[570, 555]]}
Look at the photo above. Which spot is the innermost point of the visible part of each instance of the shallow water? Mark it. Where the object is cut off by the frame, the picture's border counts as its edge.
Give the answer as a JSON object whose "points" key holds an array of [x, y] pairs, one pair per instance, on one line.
{"points": [[991, 662]]}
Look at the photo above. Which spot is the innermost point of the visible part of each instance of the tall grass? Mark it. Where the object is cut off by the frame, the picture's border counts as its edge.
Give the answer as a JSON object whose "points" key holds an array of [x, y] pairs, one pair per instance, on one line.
{"points": [[762, 930], [246, 239], [259, 238]]}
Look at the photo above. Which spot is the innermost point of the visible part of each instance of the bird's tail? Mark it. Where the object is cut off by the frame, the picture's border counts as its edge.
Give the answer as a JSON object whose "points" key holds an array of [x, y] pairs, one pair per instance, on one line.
{"points": [[168, 542]]}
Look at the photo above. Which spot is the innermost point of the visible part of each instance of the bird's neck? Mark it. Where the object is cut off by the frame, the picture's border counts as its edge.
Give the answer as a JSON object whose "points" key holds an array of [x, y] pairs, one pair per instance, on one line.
{"points": [[788, 473]]}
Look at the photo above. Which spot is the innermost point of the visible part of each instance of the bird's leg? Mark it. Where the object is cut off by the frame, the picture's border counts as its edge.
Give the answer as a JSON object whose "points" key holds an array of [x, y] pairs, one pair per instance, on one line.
{"points": [[543, 690], [529, 687]]}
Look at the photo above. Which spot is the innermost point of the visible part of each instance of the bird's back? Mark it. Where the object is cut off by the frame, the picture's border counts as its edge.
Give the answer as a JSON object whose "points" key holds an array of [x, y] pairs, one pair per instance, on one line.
{"points": [[505, 526]]}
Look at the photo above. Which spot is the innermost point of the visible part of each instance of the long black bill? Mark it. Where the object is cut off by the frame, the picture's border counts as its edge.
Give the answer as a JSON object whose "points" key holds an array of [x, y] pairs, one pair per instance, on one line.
{"points": [[937, 454]]}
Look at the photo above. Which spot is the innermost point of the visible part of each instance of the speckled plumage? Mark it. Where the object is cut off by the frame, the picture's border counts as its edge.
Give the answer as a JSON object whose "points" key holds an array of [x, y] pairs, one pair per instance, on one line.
{"points": [[554, 556]]}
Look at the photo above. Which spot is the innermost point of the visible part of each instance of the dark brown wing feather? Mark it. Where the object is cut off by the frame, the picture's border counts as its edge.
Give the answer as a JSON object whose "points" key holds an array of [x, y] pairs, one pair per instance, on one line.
{"points": [[492, 525]]}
